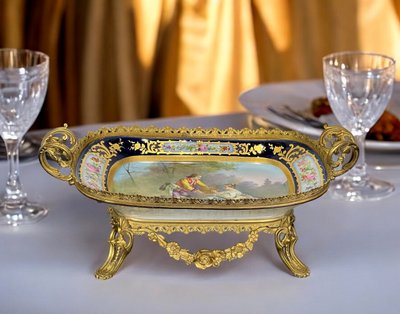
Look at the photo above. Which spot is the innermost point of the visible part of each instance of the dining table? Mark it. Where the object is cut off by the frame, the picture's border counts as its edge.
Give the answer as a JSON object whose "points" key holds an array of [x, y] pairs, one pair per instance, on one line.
{"points": [[351, 248]]}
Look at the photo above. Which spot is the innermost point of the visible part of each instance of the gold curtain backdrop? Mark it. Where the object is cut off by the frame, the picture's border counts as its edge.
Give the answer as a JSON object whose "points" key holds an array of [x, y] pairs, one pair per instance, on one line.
{"points": [[127, 59]]}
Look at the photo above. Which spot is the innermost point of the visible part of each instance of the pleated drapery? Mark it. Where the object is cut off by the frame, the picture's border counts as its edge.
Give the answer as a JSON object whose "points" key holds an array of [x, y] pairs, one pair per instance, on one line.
{"points": [[129, 59]]}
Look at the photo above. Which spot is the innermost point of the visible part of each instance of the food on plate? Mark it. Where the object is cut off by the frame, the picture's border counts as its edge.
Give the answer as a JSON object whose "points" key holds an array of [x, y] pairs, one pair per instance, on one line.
{"points": [[320, 106], [387, 128]]}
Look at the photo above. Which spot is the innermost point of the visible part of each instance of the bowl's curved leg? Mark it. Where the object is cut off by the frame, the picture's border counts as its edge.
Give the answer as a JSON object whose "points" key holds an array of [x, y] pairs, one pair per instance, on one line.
{"points": [[285, 240], [121, 242]]}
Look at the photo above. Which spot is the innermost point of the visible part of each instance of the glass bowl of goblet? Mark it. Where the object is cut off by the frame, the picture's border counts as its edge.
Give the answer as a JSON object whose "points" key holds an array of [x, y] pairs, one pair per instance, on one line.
{"points": [[23, 85], [359, 86]]}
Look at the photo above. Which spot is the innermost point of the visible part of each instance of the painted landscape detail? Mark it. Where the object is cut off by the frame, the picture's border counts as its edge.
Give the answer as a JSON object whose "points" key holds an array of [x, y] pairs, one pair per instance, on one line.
{"points": [[209, 180], [222, 179]]}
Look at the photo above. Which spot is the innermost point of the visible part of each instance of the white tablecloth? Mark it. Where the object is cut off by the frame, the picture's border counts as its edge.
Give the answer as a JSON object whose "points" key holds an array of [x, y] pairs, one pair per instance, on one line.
{"points": [[352, 249]]}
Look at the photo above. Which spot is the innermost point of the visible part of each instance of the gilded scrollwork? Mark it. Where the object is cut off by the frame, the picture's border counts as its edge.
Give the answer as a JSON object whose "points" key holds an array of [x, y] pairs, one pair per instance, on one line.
{"points": [[96, 161], [121, 242], [289, 155], [340, 148], [145, 147], [303, 162], [285, 240], [313, 163], [92, 175], [109, 151], [199, 147], [124, 229], [58, 145], [204, 258]]}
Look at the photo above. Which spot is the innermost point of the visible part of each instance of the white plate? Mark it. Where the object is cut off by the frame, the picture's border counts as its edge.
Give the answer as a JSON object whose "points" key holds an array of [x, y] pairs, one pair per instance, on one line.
{"points": [[299, 94]]}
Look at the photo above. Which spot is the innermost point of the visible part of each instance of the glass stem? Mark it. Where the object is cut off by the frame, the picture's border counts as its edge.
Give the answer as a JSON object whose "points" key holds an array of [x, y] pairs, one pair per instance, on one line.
{"points": [[359, 174], [14, 195]]}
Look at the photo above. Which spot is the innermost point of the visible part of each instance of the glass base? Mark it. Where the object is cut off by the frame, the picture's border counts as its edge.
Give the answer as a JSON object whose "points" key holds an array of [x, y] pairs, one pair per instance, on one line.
{"points": [[20, 215], [352, 190]]}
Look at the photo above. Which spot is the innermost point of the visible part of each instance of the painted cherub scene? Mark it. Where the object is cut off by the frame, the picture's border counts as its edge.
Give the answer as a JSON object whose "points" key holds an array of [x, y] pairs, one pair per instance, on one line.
{"points": [[205, 179]]}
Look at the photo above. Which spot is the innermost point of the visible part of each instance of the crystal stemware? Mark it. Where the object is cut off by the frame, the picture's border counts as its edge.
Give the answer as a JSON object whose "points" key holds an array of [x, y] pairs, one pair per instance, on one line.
{"points": [[23, 85], [359, 86]]}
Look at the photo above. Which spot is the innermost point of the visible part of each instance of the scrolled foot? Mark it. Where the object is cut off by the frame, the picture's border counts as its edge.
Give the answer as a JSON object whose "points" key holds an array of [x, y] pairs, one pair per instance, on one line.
{"points": [[103, 274], [285, 240], [121, 242]]}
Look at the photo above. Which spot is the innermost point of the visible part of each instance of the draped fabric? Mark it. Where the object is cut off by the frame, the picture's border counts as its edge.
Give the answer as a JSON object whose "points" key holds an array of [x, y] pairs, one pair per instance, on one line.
{"points": [[128, 59]]}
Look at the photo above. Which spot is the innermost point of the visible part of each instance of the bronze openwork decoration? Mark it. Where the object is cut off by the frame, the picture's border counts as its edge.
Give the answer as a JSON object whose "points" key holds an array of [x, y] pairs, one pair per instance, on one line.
{"points": [[158, 181]]}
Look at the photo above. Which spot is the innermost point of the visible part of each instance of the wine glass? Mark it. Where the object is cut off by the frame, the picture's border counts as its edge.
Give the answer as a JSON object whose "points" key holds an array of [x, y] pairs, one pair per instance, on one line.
{"points": [[359, 86], [23, 85]]}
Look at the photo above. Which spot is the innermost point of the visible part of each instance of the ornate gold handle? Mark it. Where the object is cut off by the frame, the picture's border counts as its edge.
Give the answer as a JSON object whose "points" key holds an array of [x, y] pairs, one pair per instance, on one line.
{"points": [[54, 146], [204, 258], [341, 150]]}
